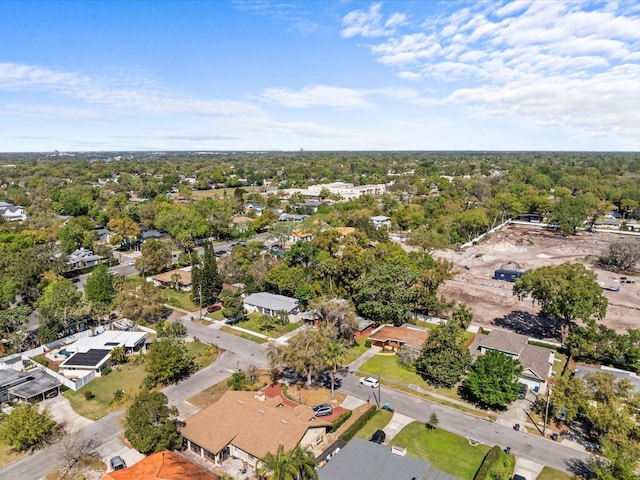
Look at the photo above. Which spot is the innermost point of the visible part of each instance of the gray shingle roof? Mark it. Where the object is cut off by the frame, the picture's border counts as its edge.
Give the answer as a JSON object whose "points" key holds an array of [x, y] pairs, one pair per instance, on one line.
{"points": [[362, 460], [531, 357], [507, 342], [271, 301]]}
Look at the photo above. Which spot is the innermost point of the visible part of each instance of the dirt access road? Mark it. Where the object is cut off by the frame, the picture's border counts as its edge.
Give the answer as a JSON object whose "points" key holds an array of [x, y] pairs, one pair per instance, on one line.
{"points": [[524, 247]]}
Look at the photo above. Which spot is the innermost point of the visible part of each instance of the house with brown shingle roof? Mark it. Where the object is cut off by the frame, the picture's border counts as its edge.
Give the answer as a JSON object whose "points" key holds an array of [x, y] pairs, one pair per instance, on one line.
{"points": [[537, 362], [168, 279], [392, 338], [248, 425], [163, 465]]}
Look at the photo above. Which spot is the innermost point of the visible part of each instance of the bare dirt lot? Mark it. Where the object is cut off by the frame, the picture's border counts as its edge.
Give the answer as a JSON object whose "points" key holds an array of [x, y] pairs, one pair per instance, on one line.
{"points": [[524, 247]]}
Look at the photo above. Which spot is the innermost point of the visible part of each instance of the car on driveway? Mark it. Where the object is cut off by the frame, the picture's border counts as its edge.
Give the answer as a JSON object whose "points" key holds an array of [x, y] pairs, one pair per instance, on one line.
{"points": [[322, 410], [523, 391], [378, 437], [214, 308], [117, 463], [370, 382]]}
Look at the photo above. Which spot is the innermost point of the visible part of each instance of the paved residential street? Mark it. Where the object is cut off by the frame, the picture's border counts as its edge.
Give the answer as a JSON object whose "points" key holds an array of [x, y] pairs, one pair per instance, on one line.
{"points": [[239, 353], [542, 451]]}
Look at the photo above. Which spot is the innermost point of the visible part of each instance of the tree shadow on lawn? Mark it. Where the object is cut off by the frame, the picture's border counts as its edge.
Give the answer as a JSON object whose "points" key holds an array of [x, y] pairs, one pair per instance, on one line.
{"points": [[578, 467], [528, 324]]}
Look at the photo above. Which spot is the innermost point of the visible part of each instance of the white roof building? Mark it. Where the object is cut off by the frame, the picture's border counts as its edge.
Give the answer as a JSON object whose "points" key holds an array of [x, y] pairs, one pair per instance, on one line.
{"points": [[131, 341]]}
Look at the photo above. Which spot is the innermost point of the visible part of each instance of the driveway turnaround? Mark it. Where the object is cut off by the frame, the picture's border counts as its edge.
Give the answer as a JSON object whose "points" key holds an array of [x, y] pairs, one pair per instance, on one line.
{"points": [[62, 413]]}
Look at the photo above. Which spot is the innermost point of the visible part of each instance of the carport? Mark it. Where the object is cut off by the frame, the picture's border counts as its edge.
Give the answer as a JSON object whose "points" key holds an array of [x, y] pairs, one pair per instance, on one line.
{"points": [[39, 387]]}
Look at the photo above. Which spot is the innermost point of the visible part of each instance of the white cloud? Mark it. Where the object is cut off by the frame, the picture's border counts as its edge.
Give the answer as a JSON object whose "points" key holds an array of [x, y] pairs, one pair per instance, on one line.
{"points": [[113, 93], [566, 64], [315, 96], [371, 23]]}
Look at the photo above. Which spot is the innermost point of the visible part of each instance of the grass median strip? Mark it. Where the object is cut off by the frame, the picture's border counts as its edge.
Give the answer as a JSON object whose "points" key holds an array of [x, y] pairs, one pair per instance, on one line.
{"points": [[245, 335]]}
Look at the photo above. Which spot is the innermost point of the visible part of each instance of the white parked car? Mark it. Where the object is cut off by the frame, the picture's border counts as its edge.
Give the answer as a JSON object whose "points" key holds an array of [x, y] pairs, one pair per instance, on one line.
{"points": [[370, 382]]}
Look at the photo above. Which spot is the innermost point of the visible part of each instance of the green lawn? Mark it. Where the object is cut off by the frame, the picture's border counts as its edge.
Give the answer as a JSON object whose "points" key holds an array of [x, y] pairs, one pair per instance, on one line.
{"points": [[203, 354], [379, 420], [253, 323], [559, 363], [127, 377], [441, 448], [246, 336], [503, 468], [179, 299], [354, 352], [387, 366], [549, 473]]}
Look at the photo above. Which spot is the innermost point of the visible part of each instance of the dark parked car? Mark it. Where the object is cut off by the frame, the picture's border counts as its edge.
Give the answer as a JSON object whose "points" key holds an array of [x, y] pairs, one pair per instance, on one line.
{"points": [[523, 392], [322, 410], [117, 463], [378, 437]]}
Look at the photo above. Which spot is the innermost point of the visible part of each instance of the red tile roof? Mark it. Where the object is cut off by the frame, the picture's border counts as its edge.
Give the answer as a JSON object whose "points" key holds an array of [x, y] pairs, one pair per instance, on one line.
{"points": [[163, 465]]}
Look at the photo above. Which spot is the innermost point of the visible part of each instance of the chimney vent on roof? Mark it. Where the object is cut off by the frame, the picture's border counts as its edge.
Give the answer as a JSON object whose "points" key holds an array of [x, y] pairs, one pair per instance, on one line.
{"points": [[283, 421], [260, 411], [240, 402]]}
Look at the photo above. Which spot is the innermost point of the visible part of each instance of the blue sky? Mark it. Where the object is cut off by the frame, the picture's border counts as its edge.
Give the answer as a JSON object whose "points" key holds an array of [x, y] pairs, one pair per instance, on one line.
{"points": [[319, 75]]}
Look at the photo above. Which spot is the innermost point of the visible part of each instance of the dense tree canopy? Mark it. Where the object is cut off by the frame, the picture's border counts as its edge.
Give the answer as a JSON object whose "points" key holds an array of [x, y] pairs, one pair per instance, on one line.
{"points": [[567, 292], [492, 380], [444, 357], [167, 361], [25, 427], [150, 424]]}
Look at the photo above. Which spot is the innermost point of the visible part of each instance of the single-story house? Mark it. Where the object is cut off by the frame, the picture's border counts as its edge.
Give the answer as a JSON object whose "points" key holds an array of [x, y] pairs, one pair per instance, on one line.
{"points": [[298, 235], [233, 287], [152, 235], [537, 362], [530, 217], [392, 338], [380, 221], [31, 386], [162, 465], [365, 327], [248, 425], [270, 303], [132, 342], [289, 217], [581, 370], [167, 279], [363, 460], [83, 257], [81, 363]]}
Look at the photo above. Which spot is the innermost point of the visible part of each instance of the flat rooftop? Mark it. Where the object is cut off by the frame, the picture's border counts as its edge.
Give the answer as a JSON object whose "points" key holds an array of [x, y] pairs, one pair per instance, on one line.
{"points": [[91, 359], [40, 382], [109, 339]]}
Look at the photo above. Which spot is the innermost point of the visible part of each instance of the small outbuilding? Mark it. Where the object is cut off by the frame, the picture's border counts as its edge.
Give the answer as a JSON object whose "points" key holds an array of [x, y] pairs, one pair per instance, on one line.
{"points": [[507, 275]]}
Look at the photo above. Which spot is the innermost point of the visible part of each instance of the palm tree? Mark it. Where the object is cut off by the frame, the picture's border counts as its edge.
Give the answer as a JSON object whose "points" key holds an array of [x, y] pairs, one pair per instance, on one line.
{"points": [[278, 466], [334, 356], [298, 464], [304, 463]]}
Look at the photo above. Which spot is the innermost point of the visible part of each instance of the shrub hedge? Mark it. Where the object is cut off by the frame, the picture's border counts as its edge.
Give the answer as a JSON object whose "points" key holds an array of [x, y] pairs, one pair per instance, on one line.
{"points": [[358, 424], [340, 420], [489, 459]]}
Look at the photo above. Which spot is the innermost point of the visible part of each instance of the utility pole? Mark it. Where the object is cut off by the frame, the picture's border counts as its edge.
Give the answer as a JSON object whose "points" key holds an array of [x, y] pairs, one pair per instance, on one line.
{"points": [[379, 391], [546, 413]]}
